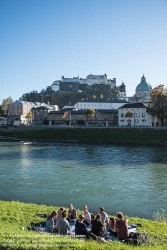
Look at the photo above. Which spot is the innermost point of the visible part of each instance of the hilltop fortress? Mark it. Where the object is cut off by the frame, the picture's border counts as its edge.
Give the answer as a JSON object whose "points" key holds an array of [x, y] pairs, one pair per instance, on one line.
{"points": [[72, 84]]}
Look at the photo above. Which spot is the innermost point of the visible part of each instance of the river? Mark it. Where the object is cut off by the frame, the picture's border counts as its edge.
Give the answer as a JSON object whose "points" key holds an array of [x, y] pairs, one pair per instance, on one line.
{"points": [[131, 179]]}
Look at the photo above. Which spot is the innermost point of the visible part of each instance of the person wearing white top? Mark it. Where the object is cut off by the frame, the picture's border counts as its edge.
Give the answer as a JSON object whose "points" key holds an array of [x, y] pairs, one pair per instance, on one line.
{"points": [[104, 216], [87, 216]]}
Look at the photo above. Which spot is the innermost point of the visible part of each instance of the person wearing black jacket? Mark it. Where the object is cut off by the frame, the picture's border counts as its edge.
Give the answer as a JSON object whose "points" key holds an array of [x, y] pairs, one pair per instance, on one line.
{"points": [[80, 227]]}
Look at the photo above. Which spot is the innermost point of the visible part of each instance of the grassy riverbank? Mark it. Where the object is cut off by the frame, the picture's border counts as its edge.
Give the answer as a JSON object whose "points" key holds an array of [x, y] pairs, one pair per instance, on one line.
{"points": [[15, 217], [144, 136]]}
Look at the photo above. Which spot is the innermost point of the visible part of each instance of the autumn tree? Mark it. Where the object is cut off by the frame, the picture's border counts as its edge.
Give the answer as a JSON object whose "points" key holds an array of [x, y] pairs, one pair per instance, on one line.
{"points": [[29, 116], [129, 113], [5, 103], [159, 101], [65, 115], [90, 113]]}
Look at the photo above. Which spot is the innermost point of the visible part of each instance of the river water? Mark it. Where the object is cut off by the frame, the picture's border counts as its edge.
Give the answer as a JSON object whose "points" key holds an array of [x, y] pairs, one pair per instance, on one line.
{"points": [[131, 179]]}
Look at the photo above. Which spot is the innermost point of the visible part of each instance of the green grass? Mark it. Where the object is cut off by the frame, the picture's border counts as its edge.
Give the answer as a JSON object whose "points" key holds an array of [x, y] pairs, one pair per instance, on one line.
{"points": [[96, 135], [15, 217]]}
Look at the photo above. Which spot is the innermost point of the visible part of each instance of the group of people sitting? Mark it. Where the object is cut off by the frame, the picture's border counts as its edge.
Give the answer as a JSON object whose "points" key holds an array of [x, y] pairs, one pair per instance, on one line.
{"points": [[59, 221]]}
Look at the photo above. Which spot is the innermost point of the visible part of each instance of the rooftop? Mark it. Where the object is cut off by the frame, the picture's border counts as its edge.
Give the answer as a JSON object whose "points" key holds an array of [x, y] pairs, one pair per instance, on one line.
{"points": [[104, 101], [133, 105]]}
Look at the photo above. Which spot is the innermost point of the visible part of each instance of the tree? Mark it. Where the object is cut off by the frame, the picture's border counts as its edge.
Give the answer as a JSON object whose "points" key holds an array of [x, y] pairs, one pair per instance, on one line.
{"points": [[29, 116], [1, 110], [90, 113], [5, 103], [129, 113], [65, 115], [159, 101]]}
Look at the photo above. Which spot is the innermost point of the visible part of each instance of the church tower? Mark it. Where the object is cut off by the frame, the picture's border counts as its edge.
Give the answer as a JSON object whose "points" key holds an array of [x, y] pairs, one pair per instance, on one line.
{"points": [[122, 92]]}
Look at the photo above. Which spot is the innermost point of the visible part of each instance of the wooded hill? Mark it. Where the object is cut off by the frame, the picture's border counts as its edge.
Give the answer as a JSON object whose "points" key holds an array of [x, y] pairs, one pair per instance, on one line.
{"points": [[62, 98]]}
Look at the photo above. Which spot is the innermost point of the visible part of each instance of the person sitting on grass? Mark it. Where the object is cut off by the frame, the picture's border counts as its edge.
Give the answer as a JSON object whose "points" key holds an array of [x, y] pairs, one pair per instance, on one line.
{"points": [[87, 216], [50, 223], [72, 213], [62, 224], [112, 227], [104, 216], [80, 227], [60, 213], [121, 227], [98, 226]]}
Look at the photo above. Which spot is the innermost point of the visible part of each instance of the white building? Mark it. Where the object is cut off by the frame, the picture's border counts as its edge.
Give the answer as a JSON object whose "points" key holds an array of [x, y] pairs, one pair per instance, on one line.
{"points": [[140, 116], [99, 104]]}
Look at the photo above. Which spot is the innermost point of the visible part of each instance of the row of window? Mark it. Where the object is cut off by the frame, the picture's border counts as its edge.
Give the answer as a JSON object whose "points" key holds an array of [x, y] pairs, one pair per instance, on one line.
{"points": [[135, 120], [16, 110], [94, 104], [132, 109], [136, 115]]}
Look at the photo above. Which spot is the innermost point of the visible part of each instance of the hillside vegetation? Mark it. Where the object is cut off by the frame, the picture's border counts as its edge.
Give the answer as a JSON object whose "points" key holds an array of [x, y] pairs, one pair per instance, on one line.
{"points": [[97, 91]]}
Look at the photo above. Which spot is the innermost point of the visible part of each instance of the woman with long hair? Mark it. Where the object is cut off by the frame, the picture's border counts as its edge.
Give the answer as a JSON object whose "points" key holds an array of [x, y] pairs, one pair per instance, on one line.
{"points": [[50, 223]]}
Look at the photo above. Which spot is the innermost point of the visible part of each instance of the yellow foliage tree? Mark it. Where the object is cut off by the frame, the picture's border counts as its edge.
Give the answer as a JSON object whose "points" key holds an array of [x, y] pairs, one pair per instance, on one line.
{"points": [[129, 113], [29, 116], [65, 115], [90, 113]]}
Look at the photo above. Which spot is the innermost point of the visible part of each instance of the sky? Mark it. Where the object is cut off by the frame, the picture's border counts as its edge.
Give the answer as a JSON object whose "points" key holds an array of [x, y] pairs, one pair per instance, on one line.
{"points": [[43, 40]]}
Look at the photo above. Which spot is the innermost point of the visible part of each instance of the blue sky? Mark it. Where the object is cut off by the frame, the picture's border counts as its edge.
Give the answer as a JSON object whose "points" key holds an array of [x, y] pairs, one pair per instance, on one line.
{"points": [[42, 40]]}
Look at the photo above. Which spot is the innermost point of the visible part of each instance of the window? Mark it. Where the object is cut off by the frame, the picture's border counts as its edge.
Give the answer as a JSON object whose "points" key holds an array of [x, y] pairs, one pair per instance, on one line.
{"points": [[122, 120], [137, 114], [143, 120], [143, 114], [122, 115]]}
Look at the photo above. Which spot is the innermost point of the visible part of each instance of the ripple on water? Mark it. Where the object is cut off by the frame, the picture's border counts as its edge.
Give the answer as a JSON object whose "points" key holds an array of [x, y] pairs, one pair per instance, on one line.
{"points": [[125, 178]]}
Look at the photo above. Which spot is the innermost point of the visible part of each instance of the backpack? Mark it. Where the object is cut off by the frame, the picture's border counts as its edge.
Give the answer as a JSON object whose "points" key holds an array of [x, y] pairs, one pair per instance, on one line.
{"points": [[137, 238]]}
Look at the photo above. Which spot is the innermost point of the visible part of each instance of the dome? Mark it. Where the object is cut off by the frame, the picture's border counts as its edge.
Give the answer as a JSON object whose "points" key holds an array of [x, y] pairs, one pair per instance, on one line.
{"points": [[143, 85]]}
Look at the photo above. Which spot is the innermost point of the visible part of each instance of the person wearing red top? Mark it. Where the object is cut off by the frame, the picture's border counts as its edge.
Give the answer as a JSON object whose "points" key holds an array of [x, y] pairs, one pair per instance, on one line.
{"points": [[121, 227]]}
